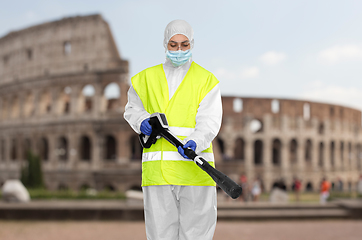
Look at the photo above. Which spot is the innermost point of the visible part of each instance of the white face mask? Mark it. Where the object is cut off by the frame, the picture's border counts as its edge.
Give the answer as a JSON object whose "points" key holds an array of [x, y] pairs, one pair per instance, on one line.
{"points": [[178, 58]]}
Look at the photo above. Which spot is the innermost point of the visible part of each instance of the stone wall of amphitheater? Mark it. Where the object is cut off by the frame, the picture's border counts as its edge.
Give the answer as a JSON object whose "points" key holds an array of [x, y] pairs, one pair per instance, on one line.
{"points": [[54, 80], [281, 138]]}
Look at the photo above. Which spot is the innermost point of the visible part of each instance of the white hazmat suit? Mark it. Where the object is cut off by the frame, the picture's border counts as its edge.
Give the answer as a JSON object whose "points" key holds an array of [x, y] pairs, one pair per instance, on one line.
{"points": [[180, 212]]}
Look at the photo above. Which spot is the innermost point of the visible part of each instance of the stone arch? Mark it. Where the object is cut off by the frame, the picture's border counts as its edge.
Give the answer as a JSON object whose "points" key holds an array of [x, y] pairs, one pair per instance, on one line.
{"points": [[332, 152], [4, 108], [333, 186], [349, 153], [276, 152], [321, 154], [110, 148], [15, 108], [308, 150], [63, 152], [84, 187], [339, 184], [13, 150], [2, 149], [135, 188], [44, 149], [256, 125], [293, 150], [64, 100], [342, 152], [221, 145], [45, 104], [67, 47], [63, 187], [279, 184], [110, 187], [112, 95], [331, 111], [85, 148], [7, 110], [26, 147], [321, 128], [28, 105], [239, 149], [359, 156], [136, 148], [309, 187], [258, 152], [87, 98]]}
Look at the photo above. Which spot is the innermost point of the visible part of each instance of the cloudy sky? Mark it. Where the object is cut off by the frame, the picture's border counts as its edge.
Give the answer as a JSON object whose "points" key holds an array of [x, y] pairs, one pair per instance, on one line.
{"points": [[310, 49]]}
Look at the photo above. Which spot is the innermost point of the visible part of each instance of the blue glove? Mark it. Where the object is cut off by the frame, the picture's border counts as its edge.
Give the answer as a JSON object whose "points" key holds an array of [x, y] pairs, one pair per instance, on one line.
{"points": [[190, 144], [146, 127]]}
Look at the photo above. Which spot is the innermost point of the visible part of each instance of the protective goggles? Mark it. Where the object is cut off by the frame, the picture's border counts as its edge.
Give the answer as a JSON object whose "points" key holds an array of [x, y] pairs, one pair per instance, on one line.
{"points": [[174, 46]]}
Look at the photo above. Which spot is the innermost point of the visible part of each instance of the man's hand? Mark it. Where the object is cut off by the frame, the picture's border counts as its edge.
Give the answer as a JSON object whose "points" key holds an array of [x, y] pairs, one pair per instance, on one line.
{"points": [[146, 127], [190, 144]]}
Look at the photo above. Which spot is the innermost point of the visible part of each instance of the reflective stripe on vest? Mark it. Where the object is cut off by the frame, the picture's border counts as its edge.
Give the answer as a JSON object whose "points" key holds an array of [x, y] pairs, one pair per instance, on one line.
{"points": [[181, 131], [161, 163], [172, 156]]}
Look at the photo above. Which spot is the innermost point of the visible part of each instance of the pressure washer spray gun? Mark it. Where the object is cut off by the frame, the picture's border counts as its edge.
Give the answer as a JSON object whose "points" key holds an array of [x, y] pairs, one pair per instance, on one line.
{"points": [[160, 129]]}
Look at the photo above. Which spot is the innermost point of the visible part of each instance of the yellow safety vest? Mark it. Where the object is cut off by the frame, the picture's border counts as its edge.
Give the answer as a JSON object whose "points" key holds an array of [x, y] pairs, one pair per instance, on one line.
{"points": [[161, 163]]}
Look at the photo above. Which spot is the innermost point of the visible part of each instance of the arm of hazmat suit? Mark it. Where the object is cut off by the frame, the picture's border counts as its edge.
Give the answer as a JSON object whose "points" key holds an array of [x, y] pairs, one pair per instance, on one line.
{"points": [[208, 120], [134, 112]]}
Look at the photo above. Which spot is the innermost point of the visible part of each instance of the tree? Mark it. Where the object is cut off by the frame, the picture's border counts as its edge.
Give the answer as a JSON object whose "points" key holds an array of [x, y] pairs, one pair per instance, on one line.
{"points": [[31, 174]]}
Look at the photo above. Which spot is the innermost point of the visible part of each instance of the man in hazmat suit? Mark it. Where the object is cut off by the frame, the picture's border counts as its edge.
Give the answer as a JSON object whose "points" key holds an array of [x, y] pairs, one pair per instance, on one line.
{"points": [[179, 197]]}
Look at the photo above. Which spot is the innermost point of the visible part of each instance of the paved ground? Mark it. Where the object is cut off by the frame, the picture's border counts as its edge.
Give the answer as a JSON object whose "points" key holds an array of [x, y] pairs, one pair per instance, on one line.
{"points": [[112, 230]]}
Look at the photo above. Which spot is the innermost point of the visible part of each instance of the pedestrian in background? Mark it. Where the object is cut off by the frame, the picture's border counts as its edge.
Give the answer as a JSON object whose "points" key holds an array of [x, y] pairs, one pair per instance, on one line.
{"points": [[245, 186], [256, 190], [325, 187], [297, 185]]}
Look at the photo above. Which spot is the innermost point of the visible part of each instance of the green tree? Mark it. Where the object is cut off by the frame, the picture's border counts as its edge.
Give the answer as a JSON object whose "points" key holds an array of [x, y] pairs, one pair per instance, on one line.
{"points": [[31, 173]]}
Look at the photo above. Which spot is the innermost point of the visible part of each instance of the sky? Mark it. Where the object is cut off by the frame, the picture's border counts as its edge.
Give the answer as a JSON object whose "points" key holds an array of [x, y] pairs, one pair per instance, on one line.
{"points": [[305, 50]]}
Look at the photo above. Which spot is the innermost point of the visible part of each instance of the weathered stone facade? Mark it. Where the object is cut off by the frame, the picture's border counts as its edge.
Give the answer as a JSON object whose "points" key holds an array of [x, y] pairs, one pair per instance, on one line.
{"points": [[54, 79], [45, 72], [292, 138]]}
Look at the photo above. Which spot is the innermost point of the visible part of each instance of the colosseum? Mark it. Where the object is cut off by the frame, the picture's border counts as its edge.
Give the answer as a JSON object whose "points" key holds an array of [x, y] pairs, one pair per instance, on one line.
{"points": [[63, 89]]}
